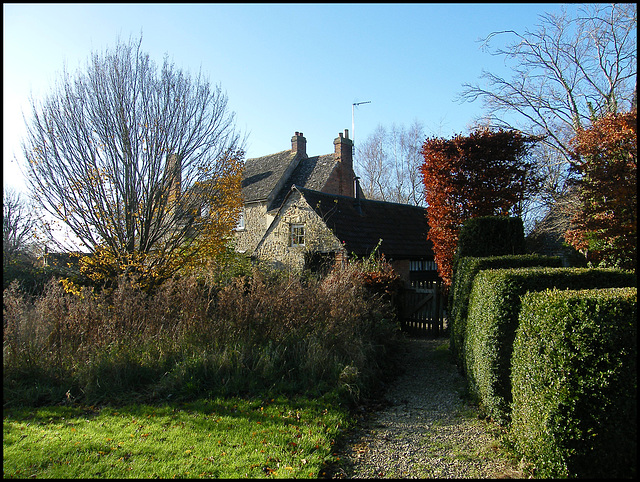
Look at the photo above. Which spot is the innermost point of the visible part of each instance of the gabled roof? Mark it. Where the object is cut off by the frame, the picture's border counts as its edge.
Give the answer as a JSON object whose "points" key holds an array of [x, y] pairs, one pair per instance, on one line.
{"points": [[263, 175], [311, 173], [271, 177], [361, 223]]}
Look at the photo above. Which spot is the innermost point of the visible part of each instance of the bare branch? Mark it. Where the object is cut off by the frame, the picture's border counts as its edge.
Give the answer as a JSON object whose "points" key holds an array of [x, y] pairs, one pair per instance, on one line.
{"points": [[388, 163], [114, 151], [18, 226], [567, 72]]}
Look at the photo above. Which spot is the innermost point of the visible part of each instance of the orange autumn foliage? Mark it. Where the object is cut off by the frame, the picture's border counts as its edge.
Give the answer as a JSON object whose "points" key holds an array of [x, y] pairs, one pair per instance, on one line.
{"points": [[605, 157], [214, 208], [483, 174]]}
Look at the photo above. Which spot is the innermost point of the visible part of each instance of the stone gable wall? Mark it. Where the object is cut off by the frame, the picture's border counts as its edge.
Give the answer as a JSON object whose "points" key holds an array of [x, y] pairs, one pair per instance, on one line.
{"points": [[276, 246], [256, 222]]}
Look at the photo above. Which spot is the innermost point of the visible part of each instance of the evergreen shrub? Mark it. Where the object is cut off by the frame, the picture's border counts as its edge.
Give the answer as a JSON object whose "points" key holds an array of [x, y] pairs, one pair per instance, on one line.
{"points": [[482, 237], [494, 307], [468, 268], [574, 379], [31, 279]]}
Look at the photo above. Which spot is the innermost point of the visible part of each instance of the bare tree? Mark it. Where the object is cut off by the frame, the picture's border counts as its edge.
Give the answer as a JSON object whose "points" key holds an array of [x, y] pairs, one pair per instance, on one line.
{"points": [[565, 73], [388, 164], [18, 226], [371, 165], [118, 151]]}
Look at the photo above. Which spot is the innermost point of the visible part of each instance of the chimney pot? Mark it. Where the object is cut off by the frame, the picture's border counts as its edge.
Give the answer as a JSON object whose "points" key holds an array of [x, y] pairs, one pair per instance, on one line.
{"points": [[299, 144], [346, 133]]}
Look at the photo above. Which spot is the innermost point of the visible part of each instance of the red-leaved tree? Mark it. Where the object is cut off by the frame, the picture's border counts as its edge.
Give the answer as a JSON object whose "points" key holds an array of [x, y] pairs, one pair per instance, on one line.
{"points": [[484, 174], [605, 226]]}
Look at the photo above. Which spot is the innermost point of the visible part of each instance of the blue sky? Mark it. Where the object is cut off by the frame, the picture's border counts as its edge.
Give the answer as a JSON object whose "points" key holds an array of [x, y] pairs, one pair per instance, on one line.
{"points": [[284, 67]]}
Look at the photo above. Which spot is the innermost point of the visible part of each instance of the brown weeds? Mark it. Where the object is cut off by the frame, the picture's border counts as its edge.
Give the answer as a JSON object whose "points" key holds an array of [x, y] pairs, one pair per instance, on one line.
{"points": [[264, 331]]}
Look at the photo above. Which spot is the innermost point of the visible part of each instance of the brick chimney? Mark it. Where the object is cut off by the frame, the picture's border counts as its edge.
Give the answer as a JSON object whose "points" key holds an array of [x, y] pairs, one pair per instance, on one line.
{"points": [[344, 155], [174, 173], [299, 144]]}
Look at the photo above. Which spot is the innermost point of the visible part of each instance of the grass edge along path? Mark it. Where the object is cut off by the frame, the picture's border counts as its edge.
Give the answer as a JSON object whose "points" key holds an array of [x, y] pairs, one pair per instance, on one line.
{"points": [[219, 438]]}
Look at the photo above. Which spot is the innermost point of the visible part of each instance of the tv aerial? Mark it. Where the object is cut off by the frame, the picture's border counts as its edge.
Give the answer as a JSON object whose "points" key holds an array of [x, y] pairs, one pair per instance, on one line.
{"points": [[353, 127]]}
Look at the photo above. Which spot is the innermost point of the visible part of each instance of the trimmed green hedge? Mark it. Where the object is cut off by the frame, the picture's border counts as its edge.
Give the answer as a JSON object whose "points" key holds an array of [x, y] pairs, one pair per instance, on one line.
{"points": [[468, 268], [575, 383], [494, 307]]}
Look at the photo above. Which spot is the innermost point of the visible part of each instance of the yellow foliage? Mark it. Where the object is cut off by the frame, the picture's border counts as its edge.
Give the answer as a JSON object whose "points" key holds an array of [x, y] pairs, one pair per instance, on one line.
{"points": [[212, 231], [69, 286], [223, 197]]}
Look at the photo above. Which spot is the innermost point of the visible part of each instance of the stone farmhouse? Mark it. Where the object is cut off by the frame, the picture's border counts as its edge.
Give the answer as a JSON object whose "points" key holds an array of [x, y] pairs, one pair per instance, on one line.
{"points": [[307, 212]]}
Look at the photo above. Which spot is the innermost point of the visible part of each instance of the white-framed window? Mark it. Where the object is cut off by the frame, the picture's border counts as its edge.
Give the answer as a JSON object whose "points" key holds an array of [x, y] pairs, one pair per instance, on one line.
{"points": [[240, 223], [297, 235]]}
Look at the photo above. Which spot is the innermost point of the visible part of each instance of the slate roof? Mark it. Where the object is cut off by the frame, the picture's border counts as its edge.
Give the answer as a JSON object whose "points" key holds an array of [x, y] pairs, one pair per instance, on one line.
{"points": [[361, 223], [311, 173], [261, 175]]}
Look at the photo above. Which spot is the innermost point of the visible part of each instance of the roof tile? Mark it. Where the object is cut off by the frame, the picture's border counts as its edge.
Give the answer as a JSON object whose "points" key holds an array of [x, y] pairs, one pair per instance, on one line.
{"points": [[362, 223]]}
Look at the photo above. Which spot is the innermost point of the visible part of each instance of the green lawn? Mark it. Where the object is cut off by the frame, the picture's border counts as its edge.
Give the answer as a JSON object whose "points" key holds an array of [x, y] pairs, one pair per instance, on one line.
{"points": [[222, 438]]}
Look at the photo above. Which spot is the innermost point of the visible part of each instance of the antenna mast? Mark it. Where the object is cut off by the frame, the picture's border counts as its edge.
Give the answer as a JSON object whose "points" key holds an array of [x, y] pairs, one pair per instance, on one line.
{"points": [[353, 128]]}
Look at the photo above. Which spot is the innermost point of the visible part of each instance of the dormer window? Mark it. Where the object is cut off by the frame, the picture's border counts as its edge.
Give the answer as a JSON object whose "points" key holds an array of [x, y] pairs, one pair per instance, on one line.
{"points": [[297, 235]]}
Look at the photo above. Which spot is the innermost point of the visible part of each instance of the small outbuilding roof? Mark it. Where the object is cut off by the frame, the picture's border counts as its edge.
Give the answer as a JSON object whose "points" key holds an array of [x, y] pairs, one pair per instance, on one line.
{"points": [[361, 223]]}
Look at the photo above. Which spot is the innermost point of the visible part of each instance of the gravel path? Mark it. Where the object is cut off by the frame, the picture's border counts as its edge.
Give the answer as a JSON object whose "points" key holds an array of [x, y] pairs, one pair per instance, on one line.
{"points": [[424, 429]]}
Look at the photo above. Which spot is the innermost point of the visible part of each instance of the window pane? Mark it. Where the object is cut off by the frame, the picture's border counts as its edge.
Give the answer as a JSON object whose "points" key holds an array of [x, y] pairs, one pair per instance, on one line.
{"points": [[240, 224], [297, 235]]}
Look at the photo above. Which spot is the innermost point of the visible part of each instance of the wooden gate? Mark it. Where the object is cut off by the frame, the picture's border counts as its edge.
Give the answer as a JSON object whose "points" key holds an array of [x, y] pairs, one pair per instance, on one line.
{"points": [[423, 308]]}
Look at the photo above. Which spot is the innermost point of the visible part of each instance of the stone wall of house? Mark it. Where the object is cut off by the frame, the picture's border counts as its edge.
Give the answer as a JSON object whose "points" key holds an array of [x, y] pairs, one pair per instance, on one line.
{"points": [[276, 246], [256, 222]]}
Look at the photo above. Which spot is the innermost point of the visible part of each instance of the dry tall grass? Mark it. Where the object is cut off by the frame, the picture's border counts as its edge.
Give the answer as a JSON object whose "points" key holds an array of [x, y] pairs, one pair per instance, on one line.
{"points": [[263, 332]]}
